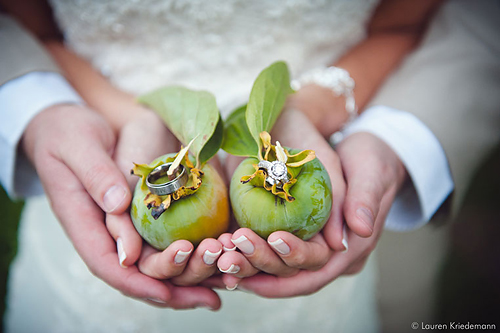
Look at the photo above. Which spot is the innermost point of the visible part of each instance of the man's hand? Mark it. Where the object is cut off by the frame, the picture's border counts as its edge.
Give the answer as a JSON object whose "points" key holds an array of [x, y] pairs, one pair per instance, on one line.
{"points": [[284, 254], [373, 174], [71, 148], [141, 140]]}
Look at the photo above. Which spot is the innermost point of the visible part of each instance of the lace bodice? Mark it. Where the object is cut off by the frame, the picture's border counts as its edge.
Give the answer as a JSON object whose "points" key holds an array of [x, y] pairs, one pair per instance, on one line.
{"points": [[218, 45]]}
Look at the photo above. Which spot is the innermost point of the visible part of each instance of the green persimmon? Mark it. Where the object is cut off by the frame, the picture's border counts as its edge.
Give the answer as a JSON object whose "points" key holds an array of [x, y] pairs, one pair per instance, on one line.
{"points": [[256, 208], [203, 214]]}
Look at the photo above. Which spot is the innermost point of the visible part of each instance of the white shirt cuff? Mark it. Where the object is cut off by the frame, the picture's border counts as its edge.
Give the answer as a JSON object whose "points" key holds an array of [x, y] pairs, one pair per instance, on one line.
{"points": [[20, 100], [424, 159]]}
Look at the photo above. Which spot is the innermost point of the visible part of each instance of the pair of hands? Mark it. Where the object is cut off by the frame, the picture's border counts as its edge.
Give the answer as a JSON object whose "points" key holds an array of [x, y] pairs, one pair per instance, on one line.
{"points": [[82, 167], [365, 175]]}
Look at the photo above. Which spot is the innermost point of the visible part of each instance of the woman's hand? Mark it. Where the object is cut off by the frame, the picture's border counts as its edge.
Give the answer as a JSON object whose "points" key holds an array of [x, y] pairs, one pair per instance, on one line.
{"points": [[373, 174], [71, 148], [284, 254], [141, 140]]}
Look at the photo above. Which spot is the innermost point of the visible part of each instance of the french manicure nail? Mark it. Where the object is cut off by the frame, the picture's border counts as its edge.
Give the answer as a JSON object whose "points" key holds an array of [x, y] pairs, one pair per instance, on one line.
{"points": [[280, 246], [156, 300], [121, 252], [344, 238], [210, 257], [181, 256], [244, 244], [226, 249], [366, 216], [232, 288], [113, 198], [233, 269]]}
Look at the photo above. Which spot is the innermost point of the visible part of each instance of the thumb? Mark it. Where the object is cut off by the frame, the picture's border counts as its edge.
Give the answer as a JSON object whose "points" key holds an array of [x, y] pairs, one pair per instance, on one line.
{"points": [[99, 175], [362, 203], [366, 183]]}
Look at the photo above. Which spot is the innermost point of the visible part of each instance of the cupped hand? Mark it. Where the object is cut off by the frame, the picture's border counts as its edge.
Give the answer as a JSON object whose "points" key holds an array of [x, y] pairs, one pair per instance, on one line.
{"points": [[283, 254], [374, 174], [142, 139], [71, 148]]}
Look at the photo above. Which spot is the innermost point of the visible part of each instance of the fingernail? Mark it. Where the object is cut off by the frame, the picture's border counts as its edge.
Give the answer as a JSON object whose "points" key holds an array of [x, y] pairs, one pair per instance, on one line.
{"points": [[210, 257], [113, 198], [156, 300], [280, 246], [233, 269], [366, 216], [121, 252], [344, 238], [181, 256], [244, 245], [226, 249], [232, 288]]}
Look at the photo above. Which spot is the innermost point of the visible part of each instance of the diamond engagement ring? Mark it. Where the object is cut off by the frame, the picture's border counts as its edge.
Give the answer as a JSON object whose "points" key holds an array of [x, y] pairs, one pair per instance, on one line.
{"points": [[277, 172], [170, 186]]}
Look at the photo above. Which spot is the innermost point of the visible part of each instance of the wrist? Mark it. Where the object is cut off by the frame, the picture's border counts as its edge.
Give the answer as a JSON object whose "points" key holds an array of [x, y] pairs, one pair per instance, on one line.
{"points": [[325, 110], [334, 84]]}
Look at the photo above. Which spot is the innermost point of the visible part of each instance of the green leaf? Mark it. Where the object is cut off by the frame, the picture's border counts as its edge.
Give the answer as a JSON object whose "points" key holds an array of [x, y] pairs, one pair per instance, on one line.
{"points": [[267, 99], [214, 143], [237, 138], [188, 114]]}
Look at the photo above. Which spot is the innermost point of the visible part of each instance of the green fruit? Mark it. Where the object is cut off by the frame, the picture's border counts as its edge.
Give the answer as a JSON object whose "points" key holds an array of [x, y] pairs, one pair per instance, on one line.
{"points": [[204, 214], [264, 213]]}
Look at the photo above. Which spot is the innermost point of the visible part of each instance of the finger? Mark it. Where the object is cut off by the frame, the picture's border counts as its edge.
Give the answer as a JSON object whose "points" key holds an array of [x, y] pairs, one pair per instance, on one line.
{"points": [[166, 264], [259, 253], [363, 202], [202, 263], [235, 263], [272, 286], [311, 255], [82, 221], [128, 241], [230, 281], [194, 297], [142, 140], [97, 172], [366, 184], [292, 124], [225, 240], [356, 266], [333, 231], [303, 283]]}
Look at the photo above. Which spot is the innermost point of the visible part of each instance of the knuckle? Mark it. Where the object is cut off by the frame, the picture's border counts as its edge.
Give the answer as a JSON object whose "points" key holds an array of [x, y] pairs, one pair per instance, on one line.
{"points": [[94, 177], [298, 259], [263, 262]]}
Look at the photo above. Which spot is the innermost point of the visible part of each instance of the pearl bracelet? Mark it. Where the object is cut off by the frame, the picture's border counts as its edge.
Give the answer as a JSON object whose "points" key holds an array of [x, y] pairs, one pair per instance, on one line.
{"points": [[339, 82]]}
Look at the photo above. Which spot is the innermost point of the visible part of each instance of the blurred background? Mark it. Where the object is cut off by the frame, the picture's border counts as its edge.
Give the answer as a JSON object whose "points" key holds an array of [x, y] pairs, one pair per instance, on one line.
{"points": [[468, 288]]}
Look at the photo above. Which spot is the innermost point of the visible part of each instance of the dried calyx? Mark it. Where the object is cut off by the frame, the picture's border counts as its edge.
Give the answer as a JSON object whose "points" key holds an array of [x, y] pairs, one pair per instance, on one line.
{"points": [[277, 168], [158, 204]]}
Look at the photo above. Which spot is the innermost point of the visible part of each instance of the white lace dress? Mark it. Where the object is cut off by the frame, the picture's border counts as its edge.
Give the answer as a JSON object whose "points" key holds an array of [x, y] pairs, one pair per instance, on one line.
{"points": [[218, 46]]}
